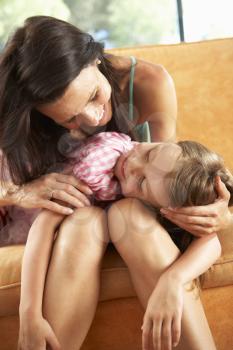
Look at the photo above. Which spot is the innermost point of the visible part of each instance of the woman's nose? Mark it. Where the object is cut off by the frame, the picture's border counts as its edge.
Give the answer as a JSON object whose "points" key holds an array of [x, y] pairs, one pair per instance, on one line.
{"points": [[92, 116]]}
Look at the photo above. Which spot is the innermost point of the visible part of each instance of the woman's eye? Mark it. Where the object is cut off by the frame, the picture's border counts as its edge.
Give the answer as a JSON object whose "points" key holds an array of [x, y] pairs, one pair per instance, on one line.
{"points": [[94, 97], [140, 182]]}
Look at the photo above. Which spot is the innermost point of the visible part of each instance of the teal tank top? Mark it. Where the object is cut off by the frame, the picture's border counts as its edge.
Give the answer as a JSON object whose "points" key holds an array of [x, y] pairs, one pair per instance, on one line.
{"points": [[142, 130]]}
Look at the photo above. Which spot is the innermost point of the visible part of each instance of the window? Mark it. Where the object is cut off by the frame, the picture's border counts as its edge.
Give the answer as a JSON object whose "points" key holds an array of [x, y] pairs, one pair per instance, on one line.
{"points": [[207, 19], [116, 22], [120, 23]]}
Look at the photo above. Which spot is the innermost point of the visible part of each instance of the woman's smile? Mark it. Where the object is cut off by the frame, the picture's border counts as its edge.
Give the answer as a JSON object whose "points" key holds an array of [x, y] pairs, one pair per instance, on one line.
{"points": [[85, 102]]}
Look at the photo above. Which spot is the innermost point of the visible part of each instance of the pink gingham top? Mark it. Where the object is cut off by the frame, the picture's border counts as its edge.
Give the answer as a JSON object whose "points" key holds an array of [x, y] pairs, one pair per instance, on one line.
{"points": [[92, 161], [95, 160]]}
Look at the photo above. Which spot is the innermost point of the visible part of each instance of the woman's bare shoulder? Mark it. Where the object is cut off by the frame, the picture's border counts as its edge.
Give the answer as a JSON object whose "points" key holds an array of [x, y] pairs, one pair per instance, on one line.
{"points": [[144, 69], [148, 73], [153, 87]]}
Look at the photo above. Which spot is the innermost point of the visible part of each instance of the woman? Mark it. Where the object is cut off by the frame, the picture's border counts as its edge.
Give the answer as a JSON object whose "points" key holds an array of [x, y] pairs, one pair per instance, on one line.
{"points": [[55, 78]]}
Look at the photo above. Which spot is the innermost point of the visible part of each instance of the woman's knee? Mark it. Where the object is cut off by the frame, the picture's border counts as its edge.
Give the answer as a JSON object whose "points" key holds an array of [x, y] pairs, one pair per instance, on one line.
{"points": [[84, 232]]}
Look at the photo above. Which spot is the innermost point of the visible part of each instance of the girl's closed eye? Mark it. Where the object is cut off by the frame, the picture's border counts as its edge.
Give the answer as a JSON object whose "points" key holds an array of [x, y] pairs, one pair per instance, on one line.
{"points": [[72, 120], [142, 179]]}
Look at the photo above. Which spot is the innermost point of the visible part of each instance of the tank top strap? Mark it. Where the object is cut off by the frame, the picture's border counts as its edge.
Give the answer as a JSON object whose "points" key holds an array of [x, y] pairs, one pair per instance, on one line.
{"points": [[131, 81], [142, 130]]}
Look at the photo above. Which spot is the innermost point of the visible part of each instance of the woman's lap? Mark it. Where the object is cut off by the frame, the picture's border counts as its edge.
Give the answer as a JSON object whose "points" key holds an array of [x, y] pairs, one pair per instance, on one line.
{"points": [[15, 223]]}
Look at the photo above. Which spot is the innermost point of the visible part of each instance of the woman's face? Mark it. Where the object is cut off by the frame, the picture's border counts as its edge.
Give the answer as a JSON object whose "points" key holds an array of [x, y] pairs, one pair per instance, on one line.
{"points": [[143, 171], [86, 101]]}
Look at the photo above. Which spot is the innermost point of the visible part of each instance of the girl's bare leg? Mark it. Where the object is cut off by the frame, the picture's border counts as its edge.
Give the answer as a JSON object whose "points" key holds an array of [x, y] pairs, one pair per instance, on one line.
{"points": [[148, 250], [72, 284]]}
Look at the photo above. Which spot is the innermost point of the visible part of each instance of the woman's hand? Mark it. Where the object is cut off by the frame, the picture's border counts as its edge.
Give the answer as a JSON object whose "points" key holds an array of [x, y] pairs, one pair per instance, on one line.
{"points": [[206, 219], [35, 333], [38, 193], [163, 315]]}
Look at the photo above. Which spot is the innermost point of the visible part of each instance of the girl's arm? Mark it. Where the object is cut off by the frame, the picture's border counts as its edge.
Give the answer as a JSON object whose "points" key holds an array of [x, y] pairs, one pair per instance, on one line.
{"points": [[35, 261], [34, 331], [165, 305], [198, 257]]}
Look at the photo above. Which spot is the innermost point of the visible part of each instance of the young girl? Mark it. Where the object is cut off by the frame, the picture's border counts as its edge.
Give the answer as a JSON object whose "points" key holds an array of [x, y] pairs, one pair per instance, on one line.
{"points": [[160, 174], [103, 162]]}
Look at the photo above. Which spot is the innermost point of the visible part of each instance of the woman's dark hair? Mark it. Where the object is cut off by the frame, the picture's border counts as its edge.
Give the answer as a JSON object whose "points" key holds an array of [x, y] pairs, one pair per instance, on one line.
{"points": [[37, 64]]}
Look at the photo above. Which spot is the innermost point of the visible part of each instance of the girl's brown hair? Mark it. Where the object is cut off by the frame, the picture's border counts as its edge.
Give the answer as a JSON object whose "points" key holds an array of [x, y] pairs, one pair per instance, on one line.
{"points": [[38, 63], [192, 182]]}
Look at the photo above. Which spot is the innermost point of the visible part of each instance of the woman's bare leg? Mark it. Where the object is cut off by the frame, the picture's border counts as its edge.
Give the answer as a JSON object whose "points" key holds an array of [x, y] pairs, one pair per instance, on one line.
{"points": [[72, 284], [148, 250]]}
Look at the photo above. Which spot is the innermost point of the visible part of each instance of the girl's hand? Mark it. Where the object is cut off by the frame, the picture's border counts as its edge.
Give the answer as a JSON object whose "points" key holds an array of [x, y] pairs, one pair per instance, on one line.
{"points": [[163, 315], [35, 333], [206, 219], [38, 193]]}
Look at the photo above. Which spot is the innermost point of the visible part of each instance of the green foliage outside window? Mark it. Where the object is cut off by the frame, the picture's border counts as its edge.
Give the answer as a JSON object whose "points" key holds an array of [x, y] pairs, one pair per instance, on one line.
{"points": [[117, 22], [14, 12]]}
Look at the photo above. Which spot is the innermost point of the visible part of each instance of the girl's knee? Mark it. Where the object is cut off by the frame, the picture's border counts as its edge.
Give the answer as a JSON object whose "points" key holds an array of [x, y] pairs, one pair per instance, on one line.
{"points": [[134, 228], [86, 229], [131, 215], [129, 207]]}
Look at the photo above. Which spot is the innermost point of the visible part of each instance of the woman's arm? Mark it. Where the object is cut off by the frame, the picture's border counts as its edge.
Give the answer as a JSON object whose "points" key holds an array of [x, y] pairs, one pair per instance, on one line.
{"points": [[35, 261], [163, 120], [38, 193], [206, 219], [7, 191], [159, 104]]}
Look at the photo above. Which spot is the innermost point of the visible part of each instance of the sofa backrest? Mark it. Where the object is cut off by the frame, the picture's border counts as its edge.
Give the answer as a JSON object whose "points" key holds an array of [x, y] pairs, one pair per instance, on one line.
{"points": [[203, 76]]}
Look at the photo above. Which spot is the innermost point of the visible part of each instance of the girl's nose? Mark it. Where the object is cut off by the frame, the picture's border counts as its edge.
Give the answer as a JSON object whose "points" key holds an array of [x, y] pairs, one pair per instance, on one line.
{"points": [[135, 165]]}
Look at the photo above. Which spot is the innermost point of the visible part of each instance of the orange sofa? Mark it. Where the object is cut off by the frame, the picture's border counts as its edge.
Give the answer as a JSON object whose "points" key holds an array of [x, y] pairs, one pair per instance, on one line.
{"points": [[203, 77]]}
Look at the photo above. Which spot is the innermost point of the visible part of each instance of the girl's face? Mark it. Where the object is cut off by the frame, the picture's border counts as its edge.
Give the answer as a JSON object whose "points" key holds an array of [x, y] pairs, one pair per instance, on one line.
{"points": [[143, 171], [86, 101]]}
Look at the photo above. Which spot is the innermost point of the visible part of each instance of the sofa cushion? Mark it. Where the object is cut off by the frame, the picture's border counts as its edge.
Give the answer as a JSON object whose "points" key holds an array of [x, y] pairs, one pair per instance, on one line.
{"points": [[115, 277], [221, 273], [218, 275]]}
